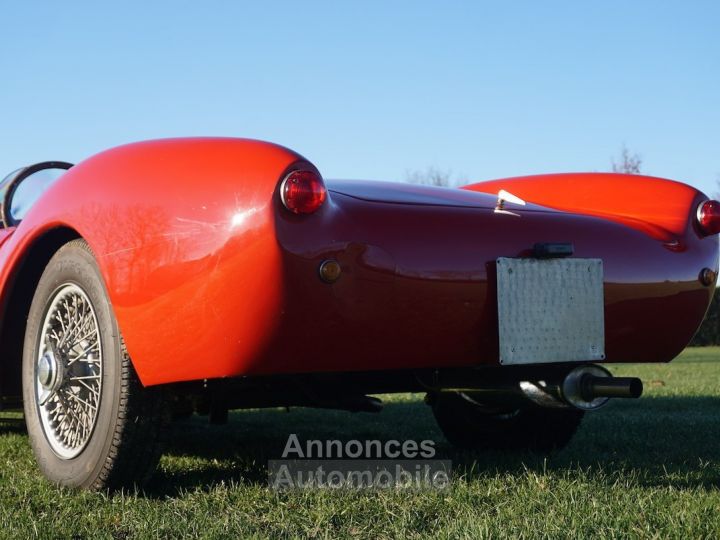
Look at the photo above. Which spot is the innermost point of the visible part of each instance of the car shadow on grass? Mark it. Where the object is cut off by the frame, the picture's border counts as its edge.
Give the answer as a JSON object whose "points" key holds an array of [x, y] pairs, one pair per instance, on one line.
{"points": [[660, 441]]}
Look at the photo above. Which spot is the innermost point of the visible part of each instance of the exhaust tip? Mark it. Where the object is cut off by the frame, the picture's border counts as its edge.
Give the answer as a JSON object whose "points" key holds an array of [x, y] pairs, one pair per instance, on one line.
{"points": [[590, 387], [635, 388], [593, 387]]}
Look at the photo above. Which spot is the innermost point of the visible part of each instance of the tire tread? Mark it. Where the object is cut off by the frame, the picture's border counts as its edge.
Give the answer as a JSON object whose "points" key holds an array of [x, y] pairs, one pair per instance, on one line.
{"points": [[133, 442], [468, 426], [140, 434]]}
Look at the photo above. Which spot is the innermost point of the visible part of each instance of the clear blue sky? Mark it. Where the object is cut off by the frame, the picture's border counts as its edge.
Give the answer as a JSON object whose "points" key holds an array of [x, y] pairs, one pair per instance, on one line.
{"points": [[372, 89]]}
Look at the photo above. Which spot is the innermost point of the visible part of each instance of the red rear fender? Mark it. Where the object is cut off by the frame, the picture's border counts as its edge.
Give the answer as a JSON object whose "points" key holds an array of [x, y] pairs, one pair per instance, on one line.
{"points": [[661, 208]]}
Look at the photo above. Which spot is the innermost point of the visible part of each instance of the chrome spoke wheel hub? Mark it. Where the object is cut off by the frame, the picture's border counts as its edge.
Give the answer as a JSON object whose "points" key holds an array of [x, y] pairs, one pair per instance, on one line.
{"points": [[49, 375], [68, 373]]}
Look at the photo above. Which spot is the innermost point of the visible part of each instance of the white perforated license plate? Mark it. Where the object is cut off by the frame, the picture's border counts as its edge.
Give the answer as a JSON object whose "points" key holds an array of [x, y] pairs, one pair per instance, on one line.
{"points": [[550, 310]]}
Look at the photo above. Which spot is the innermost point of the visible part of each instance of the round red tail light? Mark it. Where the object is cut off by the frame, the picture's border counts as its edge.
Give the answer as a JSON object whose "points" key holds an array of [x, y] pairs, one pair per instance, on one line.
{"points": [[708, 216], [303, 192]]}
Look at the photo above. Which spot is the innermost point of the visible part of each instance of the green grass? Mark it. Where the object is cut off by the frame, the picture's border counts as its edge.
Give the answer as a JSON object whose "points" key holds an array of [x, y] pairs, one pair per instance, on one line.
{"points": [[647, 468]]}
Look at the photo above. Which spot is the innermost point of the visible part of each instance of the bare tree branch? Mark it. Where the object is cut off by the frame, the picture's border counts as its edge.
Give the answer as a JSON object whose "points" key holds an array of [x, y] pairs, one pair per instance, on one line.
{"points": [[430, 177], [628, 164]]}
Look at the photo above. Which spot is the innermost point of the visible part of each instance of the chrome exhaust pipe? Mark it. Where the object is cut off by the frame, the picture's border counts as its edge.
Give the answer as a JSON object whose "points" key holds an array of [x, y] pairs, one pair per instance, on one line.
{"points": [[585, 387], [611, 387], [590, 387]]}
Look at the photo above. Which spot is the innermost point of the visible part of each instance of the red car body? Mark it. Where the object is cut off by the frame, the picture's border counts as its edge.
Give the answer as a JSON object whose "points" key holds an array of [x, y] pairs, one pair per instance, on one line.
{"points": [[203, 275], [211, 277]]}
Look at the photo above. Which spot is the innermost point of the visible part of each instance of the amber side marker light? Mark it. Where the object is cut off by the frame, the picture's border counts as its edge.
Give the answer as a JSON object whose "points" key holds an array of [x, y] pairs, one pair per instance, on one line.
{"points": [[708, 216], [707, 276], [330, 271], [303, 192]]}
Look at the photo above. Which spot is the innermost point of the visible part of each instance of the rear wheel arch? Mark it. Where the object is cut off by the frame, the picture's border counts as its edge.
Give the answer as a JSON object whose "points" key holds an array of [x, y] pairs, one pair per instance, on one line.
{"points": [[23, 282]]}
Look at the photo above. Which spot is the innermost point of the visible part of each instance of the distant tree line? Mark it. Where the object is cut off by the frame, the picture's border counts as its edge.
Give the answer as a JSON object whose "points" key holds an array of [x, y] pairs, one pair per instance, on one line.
{"points": [[430, 177], [709, 333]]}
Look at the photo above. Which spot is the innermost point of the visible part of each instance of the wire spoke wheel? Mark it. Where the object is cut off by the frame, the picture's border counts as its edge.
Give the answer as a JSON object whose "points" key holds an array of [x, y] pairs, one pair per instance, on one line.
{"points": [[91, 422], [68, 381]]}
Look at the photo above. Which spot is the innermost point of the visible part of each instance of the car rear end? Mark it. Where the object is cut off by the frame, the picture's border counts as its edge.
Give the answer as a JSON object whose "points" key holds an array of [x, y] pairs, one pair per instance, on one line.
{"points": [[417, 279]]}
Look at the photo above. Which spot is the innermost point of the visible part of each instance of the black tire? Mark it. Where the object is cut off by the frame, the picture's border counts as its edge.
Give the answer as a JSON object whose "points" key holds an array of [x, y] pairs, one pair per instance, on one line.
{"points": [[127, 426], [469, 425]]}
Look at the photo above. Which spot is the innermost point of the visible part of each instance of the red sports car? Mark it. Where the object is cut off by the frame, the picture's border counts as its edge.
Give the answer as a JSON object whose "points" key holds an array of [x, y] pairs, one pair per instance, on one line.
{"points": [[211, 274]]}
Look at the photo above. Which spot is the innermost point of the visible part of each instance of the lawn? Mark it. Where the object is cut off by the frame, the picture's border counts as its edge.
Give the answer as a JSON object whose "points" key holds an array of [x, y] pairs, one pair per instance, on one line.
{"points": [[646, 468]]}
